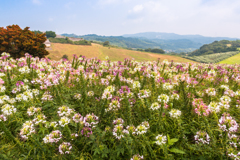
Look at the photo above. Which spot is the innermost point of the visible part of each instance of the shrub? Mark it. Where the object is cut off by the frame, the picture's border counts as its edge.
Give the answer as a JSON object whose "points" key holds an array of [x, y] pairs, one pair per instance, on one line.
{"points": [[17, 42], [50, 34], [65, 56]]}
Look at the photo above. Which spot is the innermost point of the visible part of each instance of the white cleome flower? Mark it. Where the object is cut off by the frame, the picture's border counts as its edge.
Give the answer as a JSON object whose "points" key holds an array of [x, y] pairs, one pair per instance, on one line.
{"points": [[161, 139], [8, 109], [163, 98], [64, 121], [175, 113], [155, 106]]}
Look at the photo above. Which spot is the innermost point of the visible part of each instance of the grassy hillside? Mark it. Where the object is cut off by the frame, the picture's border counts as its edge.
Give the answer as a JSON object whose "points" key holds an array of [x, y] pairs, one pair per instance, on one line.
{"points": [[115, 54], [232, 60], [178, 45], [212, 58]]}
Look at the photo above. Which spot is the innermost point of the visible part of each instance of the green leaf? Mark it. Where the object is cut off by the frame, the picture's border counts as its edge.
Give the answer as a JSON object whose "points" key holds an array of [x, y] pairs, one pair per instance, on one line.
{"points": [[168, 138], [172, 141], [175, 150]]}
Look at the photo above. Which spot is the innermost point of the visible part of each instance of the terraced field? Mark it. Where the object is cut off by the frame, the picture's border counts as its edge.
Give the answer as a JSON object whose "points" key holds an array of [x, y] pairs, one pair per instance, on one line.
{"points": [[232, 60]]}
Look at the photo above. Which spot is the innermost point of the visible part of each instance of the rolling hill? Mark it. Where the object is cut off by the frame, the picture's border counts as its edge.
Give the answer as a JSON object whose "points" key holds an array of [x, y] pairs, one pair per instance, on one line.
{"points": [[232, 60], [115, 54], [212, 58], [172, 36], [169, 42], [176, 45], [216, 47]]}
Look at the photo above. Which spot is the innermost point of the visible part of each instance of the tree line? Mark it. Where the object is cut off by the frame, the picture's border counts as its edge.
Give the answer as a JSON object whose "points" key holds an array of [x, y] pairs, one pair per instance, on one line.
{"points": [[68, 41], [216, 47], [154, 50]]}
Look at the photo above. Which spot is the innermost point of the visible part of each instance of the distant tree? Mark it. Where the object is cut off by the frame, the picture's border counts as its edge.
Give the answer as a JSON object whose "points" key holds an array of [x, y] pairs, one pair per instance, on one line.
{"points": [[156, 50], [17, 42], [65, 56], [50, 34], [216, 47], [36, 32], [148, 50], [106, 43], [183, 53]]}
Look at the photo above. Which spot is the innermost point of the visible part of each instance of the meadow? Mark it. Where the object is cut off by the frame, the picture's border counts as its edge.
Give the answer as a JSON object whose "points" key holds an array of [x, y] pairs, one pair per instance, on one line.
{"points": [[115, 54], [215, 58], [95, 109], [232, 60]]}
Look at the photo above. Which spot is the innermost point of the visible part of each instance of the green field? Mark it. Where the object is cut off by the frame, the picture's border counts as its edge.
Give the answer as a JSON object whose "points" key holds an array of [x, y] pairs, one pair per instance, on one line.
{"points": [[232, 60], [212, 58]]}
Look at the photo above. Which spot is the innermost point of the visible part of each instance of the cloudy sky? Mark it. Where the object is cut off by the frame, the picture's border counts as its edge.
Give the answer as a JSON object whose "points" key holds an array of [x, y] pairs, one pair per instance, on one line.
{"points": [[216, 18]]}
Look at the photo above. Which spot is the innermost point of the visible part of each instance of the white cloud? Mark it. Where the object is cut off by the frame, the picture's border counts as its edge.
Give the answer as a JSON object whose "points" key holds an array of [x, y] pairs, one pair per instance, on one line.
{"points": [[36, 2], [72, 16], [108, 2], [136, 9], [69, 5], [138, 20], [205, 17], [50, 19]]}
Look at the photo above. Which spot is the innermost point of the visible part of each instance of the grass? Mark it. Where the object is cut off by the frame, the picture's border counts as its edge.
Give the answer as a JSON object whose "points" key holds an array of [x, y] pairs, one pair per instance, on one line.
{"points": [[115, 54], [232, 60], [212, 58]]}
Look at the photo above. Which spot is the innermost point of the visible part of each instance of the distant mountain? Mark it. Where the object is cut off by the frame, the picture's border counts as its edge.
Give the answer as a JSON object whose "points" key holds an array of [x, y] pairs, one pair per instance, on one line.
{"points": [[130, 42], [160, 35], [125, 42], [167, 41], [173, 36]]}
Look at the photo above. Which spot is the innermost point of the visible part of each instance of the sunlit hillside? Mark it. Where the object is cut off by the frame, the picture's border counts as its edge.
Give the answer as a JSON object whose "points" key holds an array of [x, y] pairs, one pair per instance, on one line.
{"points": [[232, 60], [96, 50]]}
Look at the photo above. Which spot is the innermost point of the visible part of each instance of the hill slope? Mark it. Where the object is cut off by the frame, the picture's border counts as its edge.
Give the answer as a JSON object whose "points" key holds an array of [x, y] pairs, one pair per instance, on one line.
{"points": [[212, 58], [176, 45], [232, 60], [166, 41], [115, 54], [217, 47]]}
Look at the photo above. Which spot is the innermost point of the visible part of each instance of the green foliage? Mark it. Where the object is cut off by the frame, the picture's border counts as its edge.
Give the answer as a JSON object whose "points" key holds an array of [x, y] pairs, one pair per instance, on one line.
{"points": [[155, 50], [61, 40], [37, 31], [68, 41], [106, 43], [65, 56], [82, 42], [216, 47], [50, 34], [212, 58]]}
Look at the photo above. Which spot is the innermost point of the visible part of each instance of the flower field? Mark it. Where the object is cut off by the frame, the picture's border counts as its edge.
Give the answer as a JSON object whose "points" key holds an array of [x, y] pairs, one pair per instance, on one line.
{"points": [[101, 110]]}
